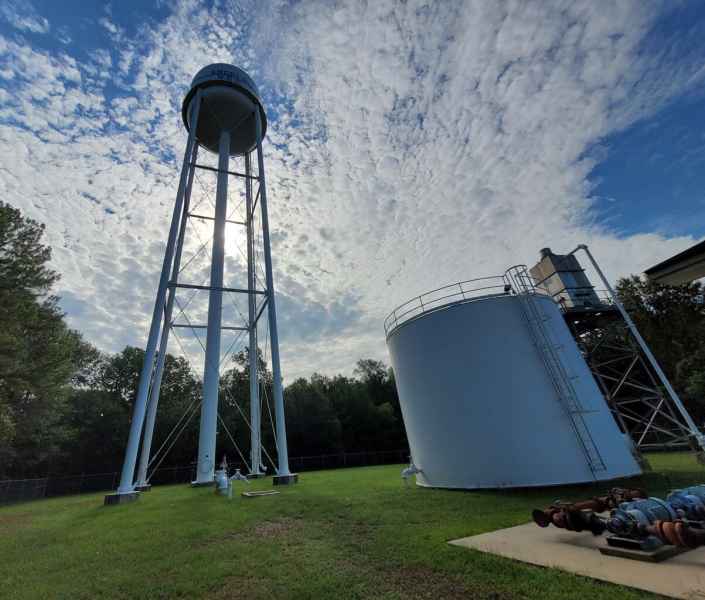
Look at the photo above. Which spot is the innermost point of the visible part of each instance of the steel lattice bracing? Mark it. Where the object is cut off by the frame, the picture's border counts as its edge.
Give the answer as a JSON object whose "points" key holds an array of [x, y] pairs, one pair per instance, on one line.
{"points": [[243, 211], [628, 382], [247, 217], [641, 398], [224, 115]]}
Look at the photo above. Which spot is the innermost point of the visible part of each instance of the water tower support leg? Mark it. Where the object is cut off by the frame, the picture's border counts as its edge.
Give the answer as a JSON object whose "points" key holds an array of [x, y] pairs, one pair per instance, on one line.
{"points": [[283, 476], [255, 406], [211, 375], [142, 485], [126, 491]]}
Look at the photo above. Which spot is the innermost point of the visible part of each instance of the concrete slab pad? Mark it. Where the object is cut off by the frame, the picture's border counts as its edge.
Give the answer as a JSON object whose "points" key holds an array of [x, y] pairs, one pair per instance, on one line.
{"points": [[258, 494], [285, 479], [682, 576], [121, 498]]}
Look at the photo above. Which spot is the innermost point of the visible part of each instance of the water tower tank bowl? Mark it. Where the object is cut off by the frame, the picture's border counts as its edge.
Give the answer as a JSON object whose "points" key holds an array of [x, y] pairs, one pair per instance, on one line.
{"points": [[230, 102]]}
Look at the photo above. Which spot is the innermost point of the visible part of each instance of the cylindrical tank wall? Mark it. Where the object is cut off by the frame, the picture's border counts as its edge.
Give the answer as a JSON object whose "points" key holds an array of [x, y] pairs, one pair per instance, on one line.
{"points": [[479, 406]]}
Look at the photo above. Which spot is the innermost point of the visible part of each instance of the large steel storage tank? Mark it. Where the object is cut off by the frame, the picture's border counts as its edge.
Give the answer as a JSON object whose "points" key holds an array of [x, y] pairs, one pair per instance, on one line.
{"points": [[495, 393]]}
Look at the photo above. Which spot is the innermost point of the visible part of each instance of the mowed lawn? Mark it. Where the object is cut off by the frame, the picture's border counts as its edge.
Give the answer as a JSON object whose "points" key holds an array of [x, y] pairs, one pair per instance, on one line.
{"points": [[354, 533]]}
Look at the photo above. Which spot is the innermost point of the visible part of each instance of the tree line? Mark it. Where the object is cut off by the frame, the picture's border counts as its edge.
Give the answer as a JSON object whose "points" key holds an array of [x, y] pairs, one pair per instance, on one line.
{"points": [[672, 321], [65, 407]]}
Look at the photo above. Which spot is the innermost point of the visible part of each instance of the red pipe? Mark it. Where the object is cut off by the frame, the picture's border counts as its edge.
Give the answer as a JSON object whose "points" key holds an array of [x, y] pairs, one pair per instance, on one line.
{"points": [[559, 512], [578, 516]]}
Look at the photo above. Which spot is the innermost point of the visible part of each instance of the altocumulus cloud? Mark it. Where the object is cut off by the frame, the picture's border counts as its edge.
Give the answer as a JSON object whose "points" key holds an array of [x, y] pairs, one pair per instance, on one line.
{"points": [[410, 146]]}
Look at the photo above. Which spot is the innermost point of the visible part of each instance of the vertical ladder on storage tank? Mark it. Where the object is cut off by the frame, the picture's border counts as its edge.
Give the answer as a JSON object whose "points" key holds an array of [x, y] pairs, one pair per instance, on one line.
{"points": [[522, 285]]}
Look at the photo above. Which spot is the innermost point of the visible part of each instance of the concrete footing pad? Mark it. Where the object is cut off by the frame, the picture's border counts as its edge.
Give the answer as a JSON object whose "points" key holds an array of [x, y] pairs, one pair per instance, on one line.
{"points": [[202, 483], [681, 576], [285, 479], [121, 498], [259, 494]]}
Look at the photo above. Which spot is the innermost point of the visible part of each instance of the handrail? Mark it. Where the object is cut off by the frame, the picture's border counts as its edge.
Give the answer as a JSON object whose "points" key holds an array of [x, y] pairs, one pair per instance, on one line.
{"points": [[473, 289], [461, 291]]}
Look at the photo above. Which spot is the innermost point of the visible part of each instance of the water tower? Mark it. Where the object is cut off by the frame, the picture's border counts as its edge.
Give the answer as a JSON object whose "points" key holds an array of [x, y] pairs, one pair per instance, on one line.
{"points": [[223, 114]]}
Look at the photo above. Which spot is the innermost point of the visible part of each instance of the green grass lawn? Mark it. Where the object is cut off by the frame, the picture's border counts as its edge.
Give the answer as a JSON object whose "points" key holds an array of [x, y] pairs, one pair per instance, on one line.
{"points": [[354, 533]]}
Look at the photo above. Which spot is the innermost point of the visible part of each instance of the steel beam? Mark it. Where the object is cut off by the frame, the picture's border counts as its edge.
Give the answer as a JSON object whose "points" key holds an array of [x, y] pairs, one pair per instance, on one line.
{"points": [[155, 388], [128, 468], [283, 473], [211, 372], [220, 171], [255, 405], [691, 426], [207, 218], [220, 288]]}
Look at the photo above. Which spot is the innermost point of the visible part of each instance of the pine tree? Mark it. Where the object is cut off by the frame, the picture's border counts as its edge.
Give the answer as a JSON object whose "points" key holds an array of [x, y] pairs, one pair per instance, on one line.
{"points": [[38, 353]]}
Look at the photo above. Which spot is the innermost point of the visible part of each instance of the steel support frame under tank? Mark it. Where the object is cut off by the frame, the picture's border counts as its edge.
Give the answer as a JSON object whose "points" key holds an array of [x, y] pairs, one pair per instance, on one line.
{"points": [[640, 409], [135, 477], [630, 378]]}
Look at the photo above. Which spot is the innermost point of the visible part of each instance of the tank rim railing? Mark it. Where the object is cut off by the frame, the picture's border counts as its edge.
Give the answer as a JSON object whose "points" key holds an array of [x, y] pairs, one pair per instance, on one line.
{"points": [[519, 280], [466, 290], [515, 280]]}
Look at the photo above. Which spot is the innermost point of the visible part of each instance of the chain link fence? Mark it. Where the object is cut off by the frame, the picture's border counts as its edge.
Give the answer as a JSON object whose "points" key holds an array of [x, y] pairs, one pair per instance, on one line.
{"points": [[20, 490], [348, 459]]}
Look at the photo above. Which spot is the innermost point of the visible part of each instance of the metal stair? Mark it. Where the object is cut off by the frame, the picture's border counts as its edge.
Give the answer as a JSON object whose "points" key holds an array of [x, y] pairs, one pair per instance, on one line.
{"points": [[523, 287]]}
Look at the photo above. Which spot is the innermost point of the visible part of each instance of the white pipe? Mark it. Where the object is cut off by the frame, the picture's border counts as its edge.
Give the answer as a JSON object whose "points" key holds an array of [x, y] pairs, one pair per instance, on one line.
{"points": [[692, 427], [138, 414], [211, 373], [282, 451]]}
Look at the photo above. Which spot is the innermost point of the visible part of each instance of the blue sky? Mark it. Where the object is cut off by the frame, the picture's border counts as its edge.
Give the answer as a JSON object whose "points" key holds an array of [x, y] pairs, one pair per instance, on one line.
{"points": [[653, 177], [410, 145]]}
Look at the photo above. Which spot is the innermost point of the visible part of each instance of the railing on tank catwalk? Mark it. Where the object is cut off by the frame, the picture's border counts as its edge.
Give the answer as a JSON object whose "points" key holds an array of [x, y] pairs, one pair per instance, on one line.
{"points": [[462, 291], [512, 282]]}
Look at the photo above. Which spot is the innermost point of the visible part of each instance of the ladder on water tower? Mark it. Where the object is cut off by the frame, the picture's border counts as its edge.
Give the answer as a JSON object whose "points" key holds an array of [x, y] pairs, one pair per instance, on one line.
{"points": [[525, 291]]}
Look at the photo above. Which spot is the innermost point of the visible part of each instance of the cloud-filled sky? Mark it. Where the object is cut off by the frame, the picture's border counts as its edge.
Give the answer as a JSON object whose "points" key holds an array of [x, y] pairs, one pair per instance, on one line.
{"points": [[410, 145]]}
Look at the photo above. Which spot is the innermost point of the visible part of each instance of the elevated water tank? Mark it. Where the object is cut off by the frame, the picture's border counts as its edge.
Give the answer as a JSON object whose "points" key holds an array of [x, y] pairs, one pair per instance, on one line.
{"points": [[495, 393], [230, 102]]}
